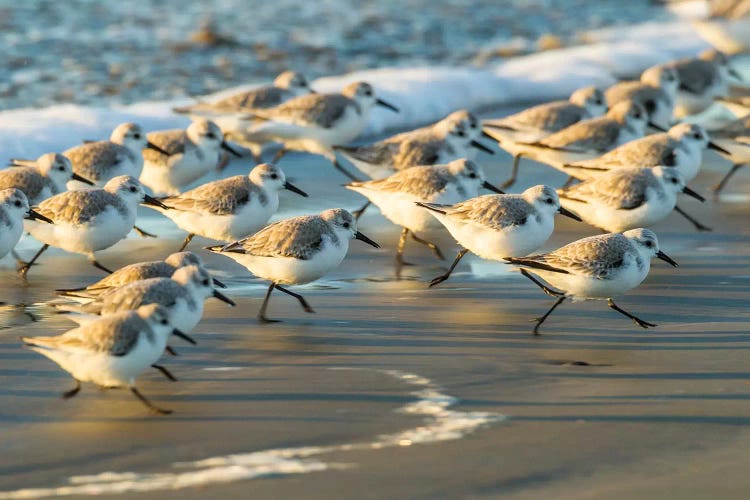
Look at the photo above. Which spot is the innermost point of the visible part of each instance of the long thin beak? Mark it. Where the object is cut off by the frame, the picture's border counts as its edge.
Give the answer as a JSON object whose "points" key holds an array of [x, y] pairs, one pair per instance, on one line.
{"points": [[291, 187], [482, 147], [362, 237], [488, 136], [149, 200], [716, 147], [227, 147], [490, 187], [34, 215], [385, 104], [151, 145], [224, 298], [184, 336], [666, 258], [81, 178], [657, 127], [218, 283], [567, 213], [692, 193]]}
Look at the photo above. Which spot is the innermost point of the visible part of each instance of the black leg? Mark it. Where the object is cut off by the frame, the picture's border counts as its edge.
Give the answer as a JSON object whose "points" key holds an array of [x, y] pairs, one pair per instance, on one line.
{"points": [[188, 239], [344, 171], [545, 288], [24, 269], [148, 403], [279, 155], [297, 296], [142, 233], [513, 173], [541, 319], [439, 279], [75, 390], [358, 213], [262, 313], [698, 225], [718, 188], [430, 245], [169, 350], [569, 182], [97, 265], [400, 252], [638, 321], [165, 372]]}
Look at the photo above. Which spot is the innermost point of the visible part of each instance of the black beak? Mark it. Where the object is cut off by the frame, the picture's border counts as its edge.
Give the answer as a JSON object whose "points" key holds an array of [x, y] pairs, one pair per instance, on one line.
{"points": [[567, 213], [218, 283], [716, 147], [381, 102], [183, 336], [227, 147], [151, 145], [362, 237], [481, 147], [488, 136], [149, 200], [657, 127], [733, 73], [291, 187], [490, 187], [666, 258], [224, 298], [34, 215], [692, 193], [80, 178]]}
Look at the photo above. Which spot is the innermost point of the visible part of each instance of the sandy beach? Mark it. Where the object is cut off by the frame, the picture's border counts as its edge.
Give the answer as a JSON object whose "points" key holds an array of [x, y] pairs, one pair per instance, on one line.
{"points": [[394, 390]]}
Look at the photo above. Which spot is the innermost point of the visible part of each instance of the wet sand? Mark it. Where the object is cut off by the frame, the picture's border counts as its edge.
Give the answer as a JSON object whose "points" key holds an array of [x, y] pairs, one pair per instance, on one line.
{"points": [[594, 407]]}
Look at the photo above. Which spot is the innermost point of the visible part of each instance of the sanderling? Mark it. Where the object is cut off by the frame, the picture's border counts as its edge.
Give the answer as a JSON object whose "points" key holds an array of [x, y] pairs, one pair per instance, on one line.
{"points": [[396, 196], [627, 198], [182, 295], [735, 138], [111, 351], [317, 122], [227, 112], [455, 136], [597, 267], [230, 209], [136, 272], [41, 178], [588, 139], [702, 79], [101, 161], [295, 251], [495, 226], [680, 147], [14, 208], [537, 122], [89, 220], [184, 157], [656, 91]]}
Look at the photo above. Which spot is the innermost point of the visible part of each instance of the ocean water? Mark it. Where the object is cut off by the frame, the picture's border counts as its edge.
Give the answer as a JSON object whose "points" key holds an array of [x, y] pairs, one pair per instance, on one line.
{"points": [[110, 51]]}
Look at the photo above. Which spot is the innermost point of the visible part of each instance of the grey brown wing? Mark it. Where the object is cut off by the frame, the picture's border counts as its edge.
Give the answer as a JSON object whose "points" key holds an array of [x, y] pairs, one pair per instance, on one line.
{"points": [[493, 211], [77, 207], [88, 159], [379, 153], [26, 179], [596, 256], [298, 237], [625, 191], [162, 291], [696, 76], [321, 110], [222, 197], [417, 151], [590, 135], [171, 141]]}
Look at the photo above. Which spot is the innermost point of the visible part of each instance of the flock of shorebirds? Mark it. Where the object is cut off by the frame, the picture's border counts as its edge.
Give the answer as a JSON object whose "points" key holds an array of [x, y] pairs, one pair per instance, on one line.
{"points": [[621, 180]]}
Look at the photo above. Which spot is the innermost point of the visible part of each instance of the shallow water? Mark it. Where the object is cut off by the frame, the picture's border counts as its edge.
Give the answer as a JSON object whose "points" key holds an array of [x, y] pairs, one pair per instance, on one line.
{"points": [[396, 390]]}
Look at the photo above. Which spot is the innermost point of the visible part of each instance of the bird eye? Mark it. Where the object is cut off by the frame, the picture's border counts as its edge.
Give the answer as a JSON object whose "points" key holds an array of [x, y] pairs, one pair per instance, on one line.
{"points": [[472, 175], [164, 322], [368, 92], [274, 176], [461, 133], [649, 244], [133, 189], [136, 136], [61, 168], [697, 135], [598, 102], [211, 135], [549, 201], [674, 180], [17, 203], [346, 225], [206, 282]]}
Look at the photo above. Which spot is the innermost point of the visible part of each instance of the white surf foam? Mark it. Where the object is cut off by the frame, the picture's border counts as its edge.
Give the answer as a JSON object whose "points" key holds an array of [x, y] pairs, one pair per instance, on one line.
{"points": [[440, 423]]}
